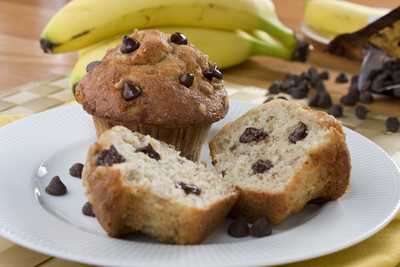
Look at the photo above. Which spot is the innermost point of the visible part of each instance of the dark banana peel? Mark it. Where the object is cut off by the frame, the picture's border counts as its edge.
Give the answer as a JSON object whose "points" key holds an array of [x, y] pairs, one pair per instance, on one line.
{"points": [[383, 33]]}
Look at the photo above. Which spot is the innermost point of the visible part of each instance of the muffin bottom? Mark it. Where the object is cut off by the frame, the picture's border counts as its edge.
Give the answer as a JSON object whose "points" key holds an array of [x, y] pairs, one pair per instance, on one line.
{"points": [[188, 140]]}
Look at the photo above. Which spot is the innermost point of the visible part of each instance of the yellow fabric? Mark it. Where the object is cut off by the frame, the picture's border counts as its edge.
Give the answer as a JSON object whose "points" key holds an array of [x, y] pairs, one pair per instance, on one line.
{"points": [[380, 250]]}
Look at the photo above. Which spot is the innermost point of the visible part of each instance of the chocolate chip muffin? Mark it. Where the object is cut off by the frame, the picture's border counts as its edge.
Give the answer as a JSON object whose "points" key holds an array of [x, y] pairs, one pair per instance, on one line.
{"points": [[282, 155], [157, 84], [136, 183]]}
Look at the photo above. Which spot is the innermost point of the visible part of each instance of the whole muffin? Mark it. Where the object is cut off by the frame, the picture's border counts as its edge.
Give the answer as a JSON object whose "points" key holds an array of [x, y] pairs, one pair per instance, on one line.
{"points": [[157, 84]]}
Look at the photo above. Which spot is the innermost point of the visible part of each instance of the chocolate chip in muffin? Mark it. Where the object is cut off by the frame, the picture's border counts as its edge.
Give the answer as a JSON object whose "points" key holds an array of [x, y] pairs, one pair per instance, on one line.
{"points": [[129, 44], [56, 187], [342, 78], [213, 72], [252, 134], [186, 79], [179, 39], [361, 112], [188, 188], [261, 166], [130, 91], [239, 228], [336, 111], [392, 124], [261, 228], [108, 157], [149, 151], [299, 133], [217, 73], [92, 65], [76, 170], [87, 209]]}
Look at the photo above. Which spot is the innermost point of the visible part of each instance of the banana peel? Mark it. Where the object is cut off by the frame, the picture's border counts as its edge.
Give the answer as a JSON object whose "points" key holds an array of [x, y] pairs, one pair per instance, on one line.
{"points": [[383, 33]]}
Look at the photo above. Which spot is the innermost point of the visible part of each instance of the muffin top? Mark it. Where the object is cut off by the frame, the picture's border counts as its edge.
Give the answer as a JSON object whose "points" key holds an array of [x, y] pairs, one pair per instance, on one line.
{"points": [[154, 79]]}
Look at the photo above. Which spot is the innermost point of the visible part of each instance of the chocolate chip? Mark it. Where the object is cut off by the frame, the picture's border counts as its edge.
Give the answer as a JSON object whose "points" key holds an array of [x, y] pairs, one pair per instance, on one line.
{"points": [[186, 79], [342, 78], [179, 39], [313, 102], [76, 170], [128, 45], [261, 166], [239, 228], [366, 98], [286, 84], [261, 228], [361, 112], [208, 74], [299, 133], [56, 187], [213, 72], [312, 71], [298, 93], [324, 75], [188, 188], [373, 73], [149, 151], [336, 111], [252, 134], [381, 80], [269, 99], [348, 100], [108, 157], [217, 73], [130, 91], [275, 87], [392, 124], [282, 97], [87, 209], [396, 77], [354, 79], [320, 86], [92, 65], [304, 76], [324, 100], [232, 148]]}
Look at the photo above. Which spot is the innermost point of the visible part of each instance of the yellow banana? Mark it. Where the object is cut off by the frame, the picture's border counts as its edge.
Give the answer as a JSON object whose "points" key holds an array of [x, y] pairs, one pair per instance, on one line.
{"points": [[82, 23], [334, 17], [226, 48]]}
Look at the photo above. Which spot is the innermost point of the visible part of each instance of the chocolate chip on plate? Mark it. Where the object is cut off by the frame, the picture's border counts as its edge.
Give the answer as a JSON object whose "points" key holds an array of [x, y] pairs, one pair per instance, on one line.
{"points": [[129, 44], [92, 65], [261, 228], [188, 188], [179, 39], [56, 187], [149, 151], [361, 112], [336, 111], [262, 166], [392, 124], [342, 77], [108, 157], [87, 209], [252, 134], [299, 133], [239, 228], [130, 91], [76, 170], [275, 88], [186, 79]]}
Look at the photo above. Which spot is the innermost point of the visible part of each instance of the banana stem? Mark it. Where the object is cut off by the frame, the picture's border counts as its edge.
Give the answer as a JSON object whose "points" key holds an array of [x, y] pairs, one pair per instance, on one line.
{"points": [[284, 34]]}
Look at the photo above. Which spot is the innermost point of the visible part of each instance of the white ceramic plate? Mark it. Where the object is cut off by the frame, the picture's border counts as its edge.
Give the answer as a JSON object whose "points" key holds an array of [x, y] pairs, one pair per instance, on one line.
{"points": [[313, 34], [36, 148]]}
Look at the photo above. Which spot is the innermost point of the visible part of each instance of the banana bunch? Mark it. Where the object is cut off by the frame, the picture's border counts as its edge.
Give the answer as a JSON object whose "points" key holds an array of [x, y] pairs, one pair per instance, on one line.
{"points": [[334, 17]]}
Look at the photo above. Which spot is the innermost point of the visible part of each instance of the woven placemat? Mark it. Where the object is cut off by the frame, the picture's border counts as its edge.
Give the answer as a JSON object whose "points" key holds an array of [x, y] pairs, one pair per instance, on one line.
{"points": [[54, 92]]}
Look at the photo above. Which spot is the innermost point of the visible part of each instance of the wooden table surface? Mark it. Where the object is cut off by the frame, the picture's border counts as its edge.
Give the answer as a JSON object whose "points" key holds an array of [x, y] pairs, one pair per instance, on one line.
{"points": [[22, 60]]}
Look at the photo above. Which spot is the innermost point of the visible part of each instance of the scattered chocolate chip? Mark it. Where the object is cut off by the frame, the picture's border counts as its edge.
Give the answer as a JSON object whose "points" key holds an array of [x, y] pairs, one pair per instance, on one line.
{"points": [[392, 124], [396, 77], [269, 99], [312, 71], [313, 101], [298, 93], [348, 100], [252, 134], [189, 189], [304, 76], [336, 111], [320, 86], [286, 84], [56, 187], [366, 87], [299, 133], [179, 39], [366, 98], [239, 228], [275, 88], [314, 77], [87, 209], [92, 65], [282, 97], [342, 78], [324, 75], [324, 100], [261, 228], [130, 91], [76, 170], [128, 45], [381, 80], [149, 151], [108, 157], [261, 166], [361, 112], [373, 73], [354, 79], [186, 79]]}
